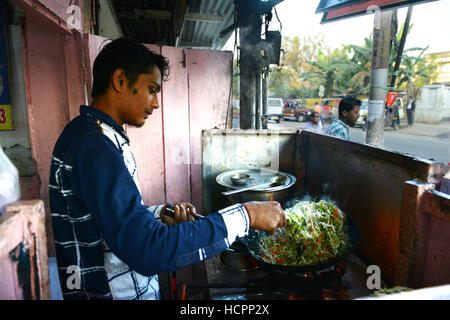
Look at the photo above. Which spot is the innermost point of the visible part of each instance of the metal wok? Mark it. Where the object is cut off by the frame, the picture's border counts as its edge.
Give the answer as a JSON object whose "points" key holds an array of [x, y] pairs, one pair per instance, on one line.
{"points": [[252, 241]]}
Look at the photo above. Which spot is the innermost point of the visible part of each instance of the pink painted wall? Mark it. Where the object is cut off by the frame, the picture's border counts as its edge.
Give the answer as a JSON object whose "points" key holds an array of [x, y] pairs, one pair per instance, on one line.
{"points": [[53, 10], [148, 150], [54, 81], [75, 77], [58, 7], [47, 95], [94, 46], [175, 112], [210, 76]]}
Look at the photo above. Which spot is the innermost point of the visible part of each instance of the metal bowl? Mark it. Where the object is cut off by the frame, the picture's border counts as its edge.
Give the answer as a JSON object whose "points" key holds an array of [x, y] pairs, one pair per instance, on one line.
{"points": [[280, 196], [240, 178], [238, 261], [280, 193]]}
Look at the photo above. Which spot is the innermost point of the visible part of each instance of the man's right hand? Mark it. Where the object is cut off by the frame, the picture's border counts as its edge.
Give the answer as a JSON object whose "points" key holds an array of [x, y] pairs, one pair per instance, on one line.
{"points": [[266, 216]]}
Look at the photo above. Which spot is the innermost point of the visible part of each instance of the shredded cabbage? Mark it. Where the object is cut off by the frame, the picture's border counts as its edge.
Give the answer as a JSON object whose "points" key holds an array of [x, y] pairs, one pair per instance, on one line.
{"points": [[313, 234]]}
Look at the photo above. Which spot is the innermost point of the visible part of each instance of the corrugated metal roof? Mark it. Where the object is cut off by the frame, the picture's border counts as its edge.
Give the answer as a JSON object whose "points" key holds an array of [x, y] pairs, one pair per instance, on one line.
{"points": [[155, 21]]}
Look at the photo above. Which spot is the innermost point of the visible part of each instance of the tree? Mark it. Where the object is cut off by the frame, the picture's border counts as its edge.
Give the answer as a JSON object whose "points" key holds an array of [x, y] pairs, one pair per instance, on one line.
{"points": [[416, 71], [286, 80], [331, 69], [359, 69]]}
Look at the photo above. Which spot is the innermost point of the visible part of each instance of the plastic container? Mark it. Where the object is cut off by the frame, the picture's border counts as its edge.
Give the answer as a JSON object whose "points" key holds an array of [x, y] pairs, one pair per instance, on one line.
{"points": [[9, 182]]}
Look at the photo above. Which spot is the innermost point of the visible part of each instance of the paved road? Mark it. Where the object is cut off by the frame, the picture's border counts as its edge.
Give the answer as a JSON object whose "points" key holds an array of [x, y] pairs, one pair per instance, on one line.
{"points": [[419, 142], [422, 146]]}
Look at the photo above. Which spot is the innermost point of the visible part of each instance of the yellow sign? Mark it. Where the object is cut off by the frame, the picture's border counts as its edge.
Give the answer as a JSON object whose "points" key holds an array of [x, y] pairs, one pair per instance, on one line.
{"points": [[310, 103], [6, 117]]}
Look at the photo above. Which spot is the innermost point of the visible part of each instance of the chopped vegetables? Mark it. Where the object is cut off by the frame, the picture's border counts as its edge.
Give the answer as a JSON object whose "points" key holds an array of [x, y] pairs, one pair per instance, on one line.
{"points": [[313, 234]]}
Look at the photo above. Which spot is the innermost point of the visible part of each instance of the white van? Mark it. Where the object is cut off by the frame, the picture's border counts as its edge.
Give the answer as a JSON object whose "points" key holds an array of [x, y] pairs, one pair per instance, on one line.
{"points": [[274, 109]]}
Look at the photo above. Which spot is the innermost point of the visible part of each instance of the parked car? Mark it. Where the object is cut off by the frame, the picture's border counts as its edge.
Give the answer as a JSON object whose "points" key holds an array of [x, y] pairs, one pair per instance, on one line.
{"points": [[296, 113], [274, 109]]}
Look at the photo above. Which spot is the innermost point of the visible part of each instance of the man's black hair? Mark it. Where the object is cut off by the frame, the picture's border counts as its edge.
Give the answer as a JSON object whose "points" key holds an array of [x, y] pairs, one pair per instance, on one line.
{"points": [[348, 103], [130, 55]]}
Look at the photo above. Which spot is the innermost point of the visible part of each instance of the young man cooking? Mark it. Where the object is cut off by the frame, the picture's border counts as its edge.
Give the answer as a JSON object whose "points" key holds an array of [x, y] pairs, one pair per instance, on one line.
{"points": [[348, 114], [109, 245]]}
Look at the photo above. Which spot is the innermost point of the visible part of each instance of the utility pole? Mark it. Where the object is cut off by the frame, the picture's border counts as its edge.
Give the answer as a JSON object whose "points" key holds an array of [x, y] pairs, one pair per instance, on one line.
{"points": [[249, 21], [381, 50]]}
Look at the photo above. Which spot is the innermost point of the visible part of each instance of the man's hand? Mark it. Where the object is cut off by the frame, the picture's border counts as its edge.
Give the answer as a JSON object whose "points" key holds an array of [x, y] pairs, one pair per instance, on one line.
{"points": [[183, 211], [266, 216]]}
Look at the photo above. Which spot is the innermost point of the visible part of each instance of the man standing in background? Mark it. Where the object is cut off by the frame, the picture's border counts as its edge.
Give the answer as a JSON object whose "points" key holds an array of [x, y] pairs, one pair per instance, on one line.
{"points": [[410, 107], [314, 124]]}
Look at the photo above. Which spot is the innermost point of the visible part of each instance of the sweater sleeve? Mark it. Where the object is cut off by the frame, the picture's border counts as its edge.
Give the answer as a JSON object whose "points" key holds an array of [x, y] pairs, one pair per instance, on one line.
{"points": [[130, 230]]}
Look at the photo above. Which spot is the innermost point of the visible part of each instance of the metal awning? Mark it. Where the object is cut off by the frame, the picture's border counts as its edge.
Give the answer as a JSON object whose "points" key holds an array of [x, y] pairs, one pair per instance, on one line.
{"points": [[180, 23]]}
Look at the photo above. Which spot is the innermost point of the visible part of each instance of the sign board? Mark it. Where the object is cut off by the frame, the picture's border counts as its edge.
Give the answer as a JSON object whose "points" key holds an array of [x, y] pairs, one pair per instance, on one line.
{"points": [[5, 101], [391, 98], [5, 117], [334, 10], [327, 5], [375, 110], [321, 91]]}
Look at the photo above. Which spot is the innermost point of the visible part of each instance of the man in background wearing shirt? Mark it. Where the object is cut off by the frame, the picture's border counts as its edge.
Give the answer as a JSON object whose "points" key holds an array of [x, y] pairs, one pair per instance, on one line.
{"points": [[348, 114], [410, 107], [314, 124]]}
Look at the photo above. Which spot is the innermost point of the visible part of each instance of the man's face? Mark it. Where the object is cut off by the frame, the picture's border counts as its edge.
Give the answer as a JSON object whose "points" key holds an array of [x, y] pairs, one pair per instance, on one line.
{"points": [[139, 101], [315, 119], [352, 116]]}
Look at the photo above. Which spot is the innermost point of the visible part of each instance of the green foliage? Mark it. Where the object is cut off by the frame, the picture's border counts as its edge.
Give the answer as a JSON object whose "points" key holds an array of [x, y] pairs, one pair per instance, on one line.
{"points": [[358, 73], [286, 80]]}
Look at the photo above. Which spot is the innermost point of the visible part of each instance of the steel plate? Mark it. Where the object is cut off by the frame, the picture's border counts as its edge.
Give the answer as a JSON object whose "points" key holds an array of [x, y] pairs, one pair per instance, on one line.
{"points": [[257, 176]]}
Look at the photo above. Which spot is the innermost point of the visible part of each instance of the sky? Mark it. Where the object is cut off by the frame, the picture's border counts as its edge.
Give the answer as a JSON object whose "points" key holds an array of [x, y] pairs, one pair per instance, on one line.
{"points": [[431, 25]]}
